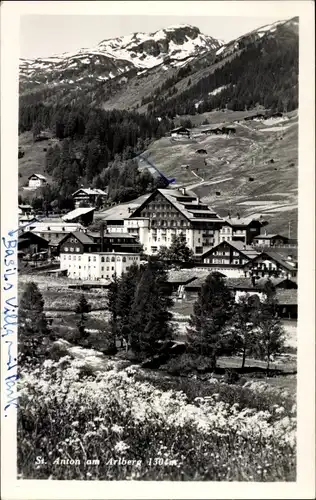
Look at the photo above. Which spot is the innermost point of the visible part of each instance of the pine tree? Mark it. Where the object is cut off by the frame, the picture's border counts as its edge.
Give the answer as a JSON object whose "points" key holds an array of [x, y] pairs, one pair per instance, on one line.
{"points": [[150, 316], [82, 308], [125, 296], [33, 333], [244, 323], [211, 314], [270, 339]]}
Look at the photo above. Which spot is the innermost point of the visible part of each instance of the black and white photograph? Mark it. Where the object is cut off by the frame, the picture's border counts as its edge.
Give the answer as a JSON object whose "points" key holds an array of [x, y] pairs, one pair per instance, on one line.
{"points": [[152, 275]]}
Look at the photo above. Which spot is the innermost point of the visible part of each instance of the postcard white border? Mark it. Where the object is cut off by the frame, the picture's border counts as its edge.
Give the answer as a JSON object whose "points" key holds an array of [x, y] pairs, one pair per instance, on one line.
{"points": [[304, 486]]}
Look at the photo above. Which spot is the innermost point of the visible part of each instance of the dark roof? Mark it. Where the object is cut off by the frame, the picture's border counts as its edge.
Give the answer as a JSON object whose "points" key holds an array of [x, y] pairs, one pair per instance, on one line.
{"points": [[282, 260], [82, 237], [246, 250], [287, 297], [27, 235], [269, 236]]}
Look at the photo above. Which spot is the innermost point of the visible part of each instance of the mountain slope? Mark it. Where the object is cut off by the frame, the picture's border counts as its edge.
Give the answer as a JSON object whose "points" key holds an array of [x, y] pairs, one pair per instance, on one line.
{"points": [[266, 152]]}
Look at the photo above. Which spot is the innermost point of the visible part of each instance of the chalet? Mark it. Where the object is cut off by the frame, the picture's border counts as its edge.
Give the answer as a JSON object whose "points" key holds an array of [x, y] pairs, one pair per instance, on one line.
{"points": [[219, 129], [272, 263], [82, 215], [177, 280], [30, 243], [53, 231], [229, 257], [24, 209], [174, 212], [88, 197], [258, 116], [243, 229], [36, 181], [287, 303], [270, 240], [255, 287], [180, 132]]}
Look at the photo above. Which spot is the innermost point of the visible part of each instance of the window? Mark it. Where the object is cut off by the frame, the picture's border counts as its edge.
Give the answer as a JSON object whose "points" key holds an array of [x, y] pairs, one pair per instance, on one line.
{"points": [[89, 259], [65, 257], [102, 259], [66, 249], [77, 249], [69, 257], [112, 259], [112, 268], [79, 257], [236, 261], [108, 259], [107, 268], [102, 268], [75, 257], [71, 249], [102, 276], [124, 260], [118, 259], [94, 258]]}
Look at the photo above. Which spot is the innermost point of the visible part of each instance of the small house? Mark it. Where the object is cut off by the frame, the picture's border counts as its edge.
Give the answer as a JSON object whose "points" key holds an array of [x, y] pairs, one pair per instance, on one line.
{"points": [[87, 197], [270, 240], [30, 243], [180, 132], [36, 181], [24, 210], [272, 263]]}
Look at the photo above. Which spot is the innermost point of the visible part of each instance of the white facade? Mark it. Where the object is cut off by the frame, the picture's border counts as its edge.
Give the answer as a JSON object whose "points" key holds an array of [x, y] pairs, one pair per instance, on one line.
{"points": [[99, 265], [36, 181], [153, 238]]}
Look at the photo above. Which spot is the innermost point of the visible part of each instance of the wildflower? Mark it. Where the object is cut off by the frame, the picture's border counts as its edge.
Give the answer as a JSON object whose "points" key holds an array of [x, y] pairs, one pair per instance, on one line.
{"points": [[117, 429], [121, 447]]}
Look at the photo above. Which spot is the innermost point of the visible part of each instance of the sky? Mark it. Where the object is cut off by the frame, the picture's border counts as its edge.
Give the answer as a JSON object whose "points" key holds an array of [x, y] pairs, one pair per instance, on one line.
{"points": [[47, 35]]}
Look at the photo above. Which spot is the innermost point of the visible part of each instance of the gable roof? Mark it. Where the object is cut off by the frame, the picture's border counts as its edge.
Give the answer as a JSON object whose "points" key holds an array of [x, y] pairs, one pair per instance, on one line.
{"points": [[27, 235], [39, 176], [287, 297], [246, 250], [90, 191], [77, 212], [80, 236], [241, 221], [278, 258], [121, 211], [269, 236], [173, 195]]}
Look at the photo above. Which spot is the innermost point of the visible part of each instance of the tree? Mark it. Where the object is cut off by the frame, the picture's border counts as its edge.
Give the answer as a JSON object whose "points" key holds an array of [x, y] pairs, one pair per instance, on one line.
{"points": [[270, 338], [82, 308], [150, 317], [125, 296], [244, 323], [178, 251], [37, 128], [33, 333], [207, 332]]}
